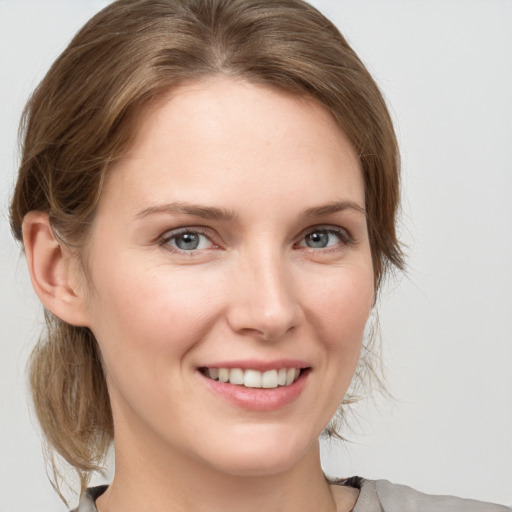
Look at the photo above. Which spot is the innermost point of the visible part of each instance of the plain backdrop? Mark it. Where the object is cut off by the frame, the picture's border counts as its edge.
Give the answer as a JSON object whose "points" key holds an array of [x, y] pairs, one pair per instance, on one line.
{"points": [[445, 68]]}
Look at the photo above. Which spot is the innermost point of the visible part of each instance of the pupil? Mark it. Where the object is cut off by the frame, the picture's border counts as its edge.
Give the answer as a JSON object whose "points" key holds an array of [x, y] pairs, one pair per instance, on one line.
{"points": [[317, 239], [187, 241]]}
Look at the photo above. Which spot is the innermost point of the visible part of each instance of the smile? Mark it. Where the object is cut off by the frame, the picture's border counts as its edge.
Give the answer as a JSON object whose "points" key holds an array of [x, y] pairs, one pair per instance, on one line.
{"points": [[250, 378]]}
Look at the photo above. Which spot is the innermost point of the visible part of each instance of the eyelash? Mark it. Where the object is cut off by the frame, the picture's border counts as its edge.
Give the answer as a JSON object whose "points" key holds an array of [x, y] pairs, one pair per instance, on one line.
{"points": [[345, 239], [165, 240]]}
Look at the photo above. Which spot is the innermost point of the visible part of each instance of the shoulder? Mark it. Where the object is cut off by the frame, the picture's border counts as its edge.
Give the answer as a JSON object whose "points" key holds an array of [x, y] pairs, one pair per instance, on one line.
{"points": [[384, 496], [375, 496]]}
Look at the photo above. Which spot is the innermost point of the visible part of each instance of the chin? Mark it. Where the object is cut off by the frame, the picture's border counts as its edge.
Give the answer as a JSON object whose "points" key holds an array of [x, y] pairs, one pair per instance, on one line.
{"points": [[264, 453]]}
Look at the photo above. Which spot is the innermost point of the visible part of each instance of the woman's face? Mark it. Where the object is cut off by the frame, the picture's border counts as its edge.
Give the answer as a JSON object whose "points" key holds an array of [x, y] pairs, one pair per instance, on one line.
{"points": [[230, 243]]}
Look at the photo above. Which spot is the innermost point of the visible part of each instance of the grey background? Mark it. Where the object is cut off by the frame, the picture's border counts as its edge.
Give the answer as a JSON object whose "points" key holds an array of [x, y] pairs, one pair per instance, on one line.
{"points": [[445, 68]]}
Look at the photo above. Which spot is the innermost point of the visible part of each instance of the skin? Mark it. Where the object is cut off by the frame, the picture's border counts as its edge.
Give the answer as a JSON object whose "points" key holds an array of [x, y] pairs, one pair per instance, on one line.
{"points": [[273, 164]]}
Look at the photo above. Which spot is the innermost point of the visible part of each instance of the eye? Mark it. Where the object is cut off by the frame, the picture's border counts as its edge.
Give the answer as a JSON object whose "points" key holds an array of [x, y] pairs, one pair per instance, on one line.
{"points": [[324, 238], [187, 240]]}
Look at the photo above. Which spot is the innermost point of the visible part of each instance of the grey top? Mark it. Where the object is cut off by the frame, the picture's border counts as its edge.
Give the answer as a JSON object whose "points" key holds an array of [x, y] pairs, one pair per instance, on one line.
{"points": [[383, 496], [374, 496]]}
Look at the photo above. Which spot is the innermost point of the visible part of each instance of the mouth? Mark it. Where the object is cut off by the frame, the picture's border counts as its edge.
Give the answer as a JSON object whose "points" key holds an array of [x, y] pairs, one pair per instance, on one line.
{"points": [[251, 378]]}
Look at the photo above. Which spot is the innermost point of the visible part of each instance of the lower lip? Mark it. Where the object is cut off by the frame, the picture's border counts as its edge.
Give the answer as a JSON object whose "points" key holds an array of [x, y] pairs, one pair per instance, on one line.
{"points": [[258, 399]]}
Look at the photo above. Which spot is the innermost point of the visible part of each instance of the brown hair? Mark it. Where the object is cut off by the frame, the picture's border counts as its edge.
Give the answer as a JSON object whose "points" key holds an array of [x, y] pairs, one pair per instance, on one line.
{"points": [[83, 115]]}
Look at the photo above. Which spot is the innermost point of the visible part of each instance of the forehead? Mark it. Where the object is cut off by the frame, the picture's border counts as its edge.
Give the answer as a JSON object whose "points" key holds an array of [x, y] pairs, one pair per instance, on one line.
{"points": [[219, 133]]}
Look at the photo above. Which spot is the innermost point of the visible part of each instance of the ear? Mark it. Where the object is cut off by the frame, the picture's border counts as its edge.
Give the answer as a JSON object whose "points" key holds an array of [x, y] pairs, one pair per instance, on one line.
{"points": [[50, 268]]}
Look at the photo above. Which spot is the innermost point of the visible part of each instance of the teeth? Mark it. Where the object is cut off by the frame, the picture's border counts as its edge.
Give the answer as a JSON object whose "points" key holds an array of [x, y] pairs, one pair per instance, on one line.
{"points": [[223, 374], [269, 379], [236, 376], [254, 378], [290, 376]]}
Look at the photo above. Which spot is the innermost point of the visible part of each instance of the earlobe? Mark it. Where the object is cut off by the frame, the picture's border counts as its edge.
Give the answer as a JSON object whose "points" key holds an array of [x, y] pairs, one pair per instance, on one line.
{"points": [[50, 270]]}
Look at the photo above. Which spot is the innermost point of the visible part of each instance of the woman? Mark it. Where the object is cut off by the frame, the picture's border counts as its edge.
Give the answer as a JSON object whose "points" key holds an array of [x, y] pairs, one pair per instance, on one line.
{"points": [[207, 201]]}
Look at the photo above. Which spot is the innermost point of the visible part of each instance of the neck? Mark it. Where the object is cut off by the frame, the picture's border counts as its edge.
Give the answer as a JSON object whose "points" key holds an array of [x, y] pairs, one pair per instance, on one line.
{"points": [[182, 484]]}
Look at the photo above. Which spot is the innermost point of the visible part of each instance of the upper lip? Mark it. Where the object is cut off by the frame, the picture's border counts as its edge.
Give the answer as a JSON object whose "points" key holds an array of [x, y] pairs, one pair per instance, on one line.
{"points": [[262, 366]]}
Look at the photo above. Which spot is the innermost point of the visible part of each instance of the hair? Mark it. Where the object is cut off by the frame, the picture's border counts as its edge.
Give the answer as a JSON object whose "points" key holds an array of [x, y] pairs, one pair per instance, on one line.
{"points": [[83, 116]]}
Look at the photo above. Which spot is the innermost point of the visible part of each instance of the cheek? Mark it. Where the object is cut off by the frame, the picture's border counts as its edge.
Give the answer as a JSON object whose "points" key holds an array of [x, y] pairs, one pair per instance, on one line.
{"points": [[339, 309], [146, 326], [342, 305], [148, 314]]}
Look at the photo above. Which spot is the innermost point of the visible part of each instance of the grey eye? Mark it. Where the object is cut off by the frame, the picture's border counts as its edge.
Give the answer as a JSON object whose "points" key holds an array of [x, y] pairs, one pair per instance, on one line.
{"points": [[187, 241], [318, 239], [324, 238]]}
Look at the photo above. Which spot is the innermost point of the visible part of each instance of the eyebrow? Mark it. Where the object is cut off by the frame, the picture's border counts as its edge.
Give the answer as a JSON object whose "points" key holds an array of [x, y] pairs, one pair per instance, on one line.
{"points": [[204, 212], [334, 207], [223, 214]]}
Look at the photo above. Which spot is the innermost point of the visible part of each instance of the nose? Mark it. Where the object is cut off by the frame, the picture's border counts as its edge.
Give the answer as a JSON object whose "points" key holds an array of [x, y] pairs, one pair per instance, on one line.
{"points": [[263, 299]]}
